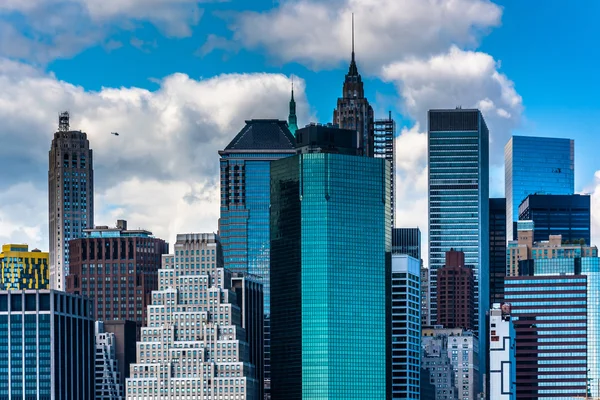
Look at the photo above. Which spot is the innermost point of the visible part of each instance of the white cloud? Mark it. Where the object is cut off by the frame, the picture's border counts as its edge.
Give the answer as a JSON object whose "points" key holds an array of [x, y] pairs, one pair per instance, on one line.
{"points": [[317, 33], [161, 172]]}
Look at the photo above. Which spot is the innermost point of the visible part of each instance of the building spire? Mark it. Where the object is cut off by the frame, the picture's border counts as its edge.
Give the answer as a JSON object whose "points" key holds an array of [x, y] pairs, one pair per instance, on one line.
{"points": [[292, 119], [352, 37], [353, 70]]}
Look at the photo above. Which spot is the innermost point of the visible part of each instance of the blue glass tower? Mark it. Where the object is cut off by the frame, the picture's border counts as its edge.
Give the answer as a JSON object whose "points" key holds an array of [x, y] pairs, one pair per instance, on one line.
{"points": [[330, 272], [536, 165], [458, 147], [244, 222]]}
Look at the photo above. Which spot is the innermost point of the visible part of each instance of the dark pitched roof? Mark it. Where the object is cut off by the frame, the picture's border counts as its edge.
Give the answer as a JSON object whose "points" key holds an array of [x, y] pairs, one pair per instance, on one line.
{"points": [[263, 134]]}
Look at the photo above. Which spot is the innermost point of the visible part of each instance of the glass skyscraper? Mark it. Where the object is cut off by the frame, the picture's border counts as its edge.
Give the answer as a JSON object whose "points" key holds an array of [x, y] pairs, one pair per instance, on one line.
{"points": [[458, 155], [536, 165], [407, 241], [244, 222], [497, 249], [330, 273]]}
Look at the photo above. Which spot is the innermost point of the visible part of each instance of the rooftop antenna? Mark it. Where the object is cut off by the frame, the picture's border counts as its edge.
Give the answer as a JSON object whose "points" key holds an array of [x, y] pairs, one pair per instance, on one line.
{"points": [[352, 36], [63, 121]]}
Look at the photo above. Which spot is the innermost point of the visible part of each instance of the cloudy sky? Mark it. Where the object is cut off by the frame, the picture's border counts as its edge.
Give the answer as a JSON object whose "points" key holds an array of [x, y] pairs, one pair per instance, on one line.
{"points": [[177, 79]]}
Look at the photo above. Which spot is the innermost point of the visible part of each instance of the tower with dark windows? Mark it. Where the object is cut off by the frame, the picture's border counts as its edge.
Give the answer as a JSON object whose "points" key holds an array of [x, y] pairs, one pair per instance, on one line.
{"points": [[353, 109], [292, 119], [70, 195]]}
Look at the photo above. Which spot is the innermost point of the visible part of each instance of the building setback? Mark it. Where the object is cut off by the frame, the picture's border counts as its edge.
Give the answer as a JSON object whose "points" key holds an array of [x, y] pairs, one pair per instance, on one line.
{"points": [[456, 293], [324, 235], [565, 215], [497, 249], [406, 327], [108, 379], [47, 346], [23, 269], [70, 195], [124, 338], [194, 345], [118, 269], [503, 362], [535, 165]]}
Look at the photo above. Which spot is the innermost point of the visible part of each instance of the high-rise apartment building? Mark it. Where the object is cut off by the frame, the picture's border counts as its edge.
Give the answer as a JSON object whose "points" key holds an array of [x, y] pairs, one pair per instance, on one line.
{"points": [[353, 109], [330, 272], [70, 195], [193, 346], [436, 362], [456, 293], [565, 215], [497, 249], [503, 362], [458, 154], [407, 241], [118, 269], [535, 165], [462, 350], [384, 131], [245, 201], [23, 269], [47, 345], [107, 375], [406, 327]]}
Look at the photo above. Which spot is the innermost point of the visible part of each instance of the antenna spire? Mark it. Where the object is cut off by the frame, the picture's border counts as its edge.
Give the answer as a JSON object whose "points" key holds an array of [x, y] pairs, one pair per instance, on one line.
{"points": [[352, 36]]}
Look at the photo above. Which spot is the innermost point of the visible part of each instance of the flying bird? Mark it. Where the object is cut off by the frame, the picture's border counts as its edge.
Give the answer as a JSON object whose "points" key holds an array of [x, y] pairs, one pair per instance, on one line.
{"points": [[115, 133]]}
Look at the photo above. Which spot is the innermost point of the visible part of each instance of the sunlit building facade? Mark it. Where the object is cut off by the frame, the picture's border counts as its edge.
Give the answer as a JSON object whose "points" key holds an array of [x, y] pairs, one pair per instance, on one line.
{"points": [[23, 269]]}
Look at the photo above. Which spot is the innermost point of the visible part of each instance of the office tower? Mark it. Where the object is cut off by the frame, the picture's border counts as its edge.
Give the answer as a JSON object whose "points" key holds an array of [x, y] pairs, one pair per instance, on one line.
{"points": [[384, 131], [497, 249], [118, 269], [456, 293], [554, 305], [47, 346], [245, 201], [70, 195], [292, 119], [406, 327], [330, 270], [503, 372], [353, 109], [461, 348], [565, 215], [526, 249], [425, 296], [458, 154], [536, 165], [23, 269], [195, 324], [124, 334], [108, 378], [407, 241]]}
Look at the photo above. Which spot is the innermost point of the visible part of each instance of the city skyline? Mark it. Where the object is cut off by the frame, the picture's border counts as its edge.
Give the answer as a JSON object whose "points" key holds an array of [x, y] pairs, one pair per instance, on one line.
{"points": [[170, 130]]}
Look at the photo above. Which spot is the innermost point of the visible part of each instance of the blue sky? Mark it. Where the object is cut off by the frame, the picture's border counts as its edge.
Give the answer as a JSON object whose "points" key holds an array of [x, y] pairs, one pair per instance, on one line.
{"points": [[530, 66]]}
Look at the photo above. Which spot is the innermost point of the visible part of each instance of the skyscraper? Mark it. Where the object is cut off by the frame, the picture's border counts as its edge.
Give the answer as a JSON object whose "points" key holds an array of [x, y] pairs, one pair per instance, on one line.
{"points": [[406, 327], [118, 269], [503, 361], [565, 215], [330, 272], [108, 379], [353, 109], [497, 249], [458, 154], [456, 287], [194, 345], [245, 202], [23, 269], [47, 346], [407, 241], [292, 119], [384, 131], [70, 195], [536, 165]]}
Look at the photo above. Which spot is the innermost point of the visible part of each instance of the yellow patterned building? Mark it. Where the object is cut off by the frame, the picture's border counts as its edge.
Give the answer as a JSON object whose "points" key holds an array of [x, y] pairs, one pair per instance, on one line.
{"points": [[23, 269]]}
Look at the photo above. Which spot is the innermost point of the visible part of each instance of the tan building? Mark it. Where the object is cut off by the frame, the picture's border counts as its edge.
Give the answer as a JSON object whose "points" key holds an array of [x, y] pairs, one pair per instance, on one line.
{"points": [[526, 249]]}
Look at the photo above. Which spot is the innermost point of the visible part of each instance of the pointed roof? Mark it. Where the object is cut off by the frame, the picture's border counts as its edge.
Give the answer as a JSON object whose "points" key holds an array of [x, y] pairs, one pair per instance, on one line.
{"points": [[353, 70], [263, 134]]}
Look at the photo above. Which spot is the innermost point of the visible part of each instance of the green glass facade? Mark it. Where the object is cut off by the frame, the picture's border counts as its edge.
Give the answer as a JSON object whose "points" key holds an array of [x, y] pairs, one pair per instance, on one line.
{"points": [[330, 277]]}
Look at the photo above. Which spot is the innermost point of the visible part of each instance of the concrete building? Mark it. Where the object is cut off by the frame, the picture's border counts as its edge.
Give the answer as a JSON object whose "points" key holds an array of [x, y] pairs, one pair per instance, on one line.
{"points": [[23, 269], [425, 317], [535, 165], [458, 159], [330, 223], [503, 354], [436, 362], [108, 379], [526, 249], [124, 335], [118, 269], [70, 195], [456, 293], [497, 249], [406, 327], [193, 346], [47, 346], [462, 349], [384, 132]]}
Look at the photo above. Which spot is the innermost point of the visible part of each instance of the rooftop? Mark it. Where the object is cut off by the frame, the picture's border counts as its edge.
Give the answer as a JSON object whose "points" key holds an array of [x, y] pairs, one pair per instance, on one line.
{"points": [[263, 134]]}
